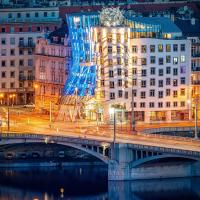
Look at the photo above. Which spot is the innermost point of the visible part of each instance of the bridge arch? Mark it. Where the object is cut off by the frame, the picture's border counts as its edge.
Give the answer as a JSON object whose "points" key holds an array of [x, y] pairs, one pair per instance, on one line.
{"points": [[157, 157], [98, 155]]}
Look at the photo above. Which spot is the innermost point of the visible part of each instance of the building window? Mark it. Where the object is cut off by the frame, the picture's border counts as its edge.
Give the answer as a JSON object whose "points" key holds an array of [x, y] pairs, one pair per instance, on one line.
{"points": [[134, 49], [12, 52], [45, 14], [160, 61], [126, 95], [110, 62], [21, 62], [134, 71], [134, 82], [20, 29], [143, 49], [111, 74], [160, 104], [119, 82], [182, 103], [175, 103], [12, 40], [3, 41], [167, 104], [160, 48], [102, 71], [3, 74], [168, 59], [112, 95], [152, 59], [175, 60], [152, 48], [153, 71], [119, 71], [182, 47], [38, 28], [143, 61], [151, 104], [175, 71], [144, 72], [18, 15], [28, 15], [175, 47], [21, 52], [3, 30], [12, 74], [12, 63], [182, 80], [168, 47], [168, 70], [3, 85], [160, 72], [30, 62], [160, 94], [3, 63], [109, 49], [118, 38], [182, 91], [118, 61], [152, 82], [3, 52], [112, 84], [120, 93], [102, 83], [160, 83], [109, 37], [168, 81], [143, 95], [12, 85], [118, 49], [182, 58], [168, 92], [175, 82], [134, 92], [152, 93], [134, 60], [142, 104], [143, 83], [175, 94]]}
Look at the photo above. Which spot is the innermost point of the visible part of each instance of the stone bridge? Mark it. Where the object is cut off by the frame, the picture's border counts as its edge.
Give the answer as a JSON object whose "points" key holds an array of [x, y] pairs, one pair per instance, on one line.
{"points": [[127, 159]]}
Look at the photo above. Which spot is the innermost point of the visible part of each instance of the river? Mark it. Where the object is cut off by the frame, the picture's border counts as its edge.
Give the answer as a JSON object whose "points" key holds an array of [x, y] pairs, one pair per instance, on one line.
{"points": [[89, 183]]}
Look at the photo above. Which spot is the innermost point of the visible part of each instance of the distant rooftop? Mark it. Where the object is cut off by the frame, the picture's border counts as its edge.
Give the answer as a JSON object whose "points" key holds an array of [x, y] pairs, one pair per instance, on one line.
{"points": [[188, 28], [58, 34]]}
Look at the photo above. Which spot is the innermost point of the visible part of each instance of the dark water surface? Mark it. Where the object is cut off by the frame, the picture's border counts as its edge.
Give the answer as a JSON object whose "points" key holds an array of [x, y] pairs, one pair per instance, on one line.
{"points": [[81, 183]]}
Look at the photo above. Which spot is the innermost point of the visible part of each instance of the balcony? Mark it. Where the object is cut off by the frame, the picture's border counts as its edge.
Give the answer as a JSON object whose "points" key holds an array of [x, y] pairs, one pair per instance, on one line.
{"points": [[30, 78], [196, 82], [26, 45], [196, 69], [196, 55]]}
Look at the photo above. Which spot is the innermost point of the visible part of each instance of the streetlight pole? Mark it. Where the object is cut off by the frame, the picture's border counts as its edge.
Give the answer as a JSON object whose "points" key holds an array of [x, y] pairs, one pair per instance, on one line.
{"points": [[132, 111], [196, 118], [50, 114], [8, 121]]}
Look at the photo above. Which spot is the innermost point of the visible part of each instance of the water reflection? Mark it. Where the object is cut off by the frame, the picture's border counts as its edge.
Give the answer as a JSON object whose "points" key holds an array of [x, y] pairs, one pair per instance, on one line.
{"points": [[81, 183]]}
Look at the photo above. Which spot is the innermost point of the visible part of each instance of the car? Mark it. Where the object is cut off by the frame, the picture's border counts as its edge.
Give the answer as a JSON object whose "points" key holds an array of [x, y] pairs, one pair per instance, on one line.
{"points": [[31, 105], [35, 155], [23, 155]]}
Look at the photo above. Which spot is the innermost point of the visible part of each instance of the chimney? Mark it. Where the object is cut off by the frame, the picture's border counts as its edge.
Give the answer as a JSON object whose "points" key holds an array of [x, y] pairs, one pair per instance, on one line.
{"points": [[193, 21]]}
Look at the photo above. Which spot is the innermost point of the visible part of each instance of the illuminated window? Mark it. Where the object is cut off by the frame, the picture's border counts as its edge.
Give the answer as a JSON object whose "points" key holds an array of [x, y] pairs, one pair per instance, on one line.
{"points": [[182, 91], [175, 94], [175, 60], [168, 59], [143, 49], [143, 61], [182, 58], [134, 60], [134, 49], [168, 92], [168, 47], [160, 48], [182, 103]]}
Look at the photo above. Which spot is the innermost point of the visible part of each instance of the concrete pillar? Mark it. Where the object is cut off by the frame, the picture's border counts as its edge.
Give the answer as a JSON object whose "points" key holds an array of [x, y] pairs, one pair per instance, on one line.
{"points": [[118, 167]]}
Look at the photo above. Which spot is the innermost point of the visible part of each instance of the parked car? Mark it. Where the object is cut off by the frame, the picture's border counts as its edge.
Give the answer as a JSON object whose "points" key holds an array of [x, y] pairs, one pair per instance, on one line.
{"points": [[61, 154], [9, 156]]}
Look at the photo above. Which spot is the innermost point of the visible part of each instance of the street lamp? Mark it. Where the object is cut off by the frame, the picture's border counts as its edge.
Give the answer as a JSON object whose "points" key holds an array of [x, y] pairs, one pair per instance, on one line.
{"points": [[196, 117], [112, 112], [1, 97]]}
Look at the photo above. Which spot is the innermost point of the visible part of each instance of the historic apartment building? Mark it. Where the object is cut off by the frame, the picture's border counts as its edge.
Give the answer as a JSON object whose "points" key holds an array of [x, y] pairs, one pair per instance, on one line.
{"points": [[19, 30], [52, 61]]}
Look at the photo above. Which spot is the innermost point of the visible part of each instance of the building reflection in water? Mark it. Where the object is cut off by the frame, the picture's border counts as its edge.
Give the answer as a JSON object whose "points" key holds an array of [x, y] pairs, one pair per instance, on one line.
{"points": [[90, 184]]}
